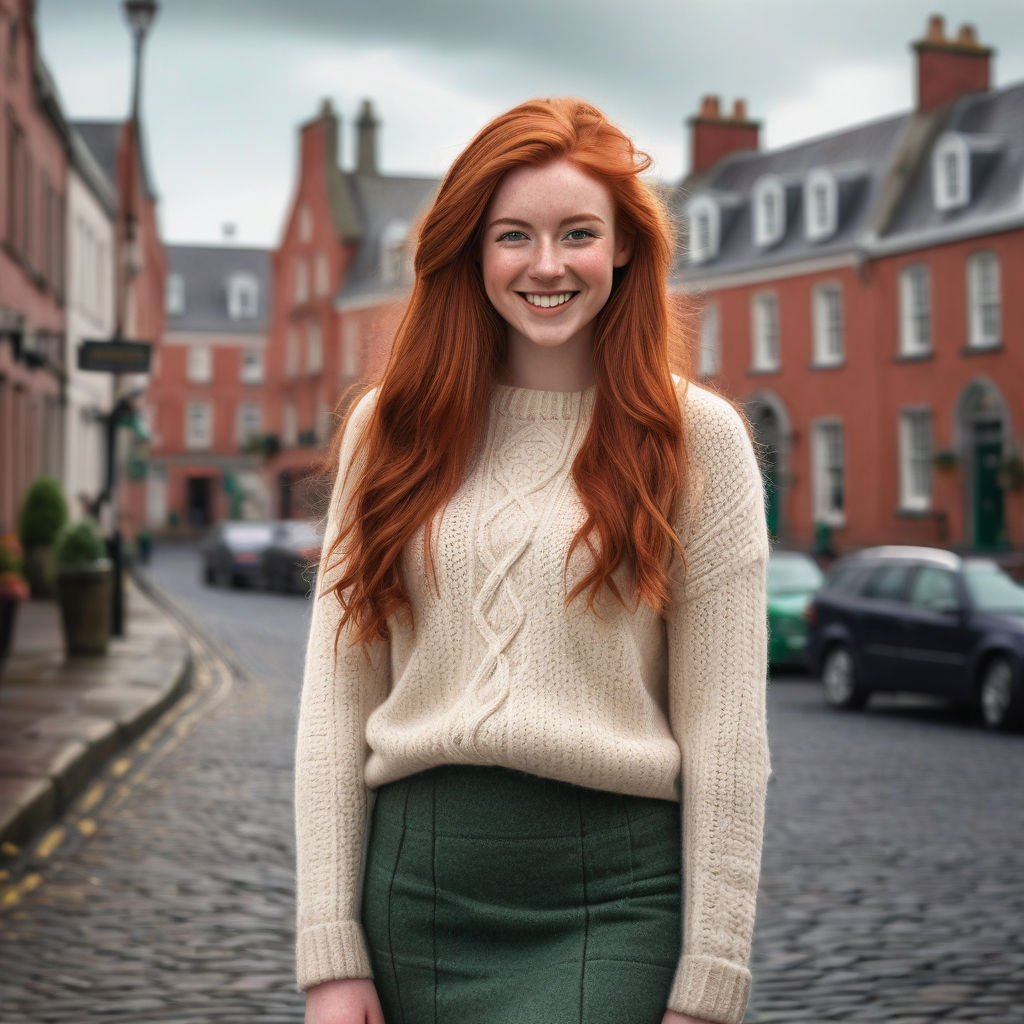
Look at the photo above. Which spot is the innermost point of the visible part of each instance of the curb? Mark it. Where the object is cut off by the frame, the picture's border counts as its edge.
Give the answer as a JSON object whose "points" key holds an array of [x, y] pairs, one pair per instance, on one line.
{"points": [[62, 720]]}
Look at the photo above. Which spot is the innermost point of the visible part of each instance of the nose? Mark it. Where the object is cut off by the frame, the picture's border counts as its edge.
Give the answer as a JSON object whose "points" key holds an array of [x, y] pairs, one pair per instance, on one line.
{"points": [[547, 261]]}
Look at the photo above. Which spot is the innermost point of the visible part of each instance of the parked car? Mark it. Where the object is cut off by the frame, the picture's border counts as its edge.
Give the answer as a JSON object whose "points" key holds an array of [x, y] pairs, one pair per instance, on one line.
{"points": [[923, 620], [232, 553], [793, 579], [291, 558]]}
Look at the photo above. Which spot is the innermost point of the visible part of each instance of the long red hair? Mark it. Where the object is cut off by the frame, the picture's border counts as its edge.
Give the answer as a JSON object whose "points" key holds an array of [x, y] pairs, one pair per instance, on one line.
{"points": [[433, 392]]}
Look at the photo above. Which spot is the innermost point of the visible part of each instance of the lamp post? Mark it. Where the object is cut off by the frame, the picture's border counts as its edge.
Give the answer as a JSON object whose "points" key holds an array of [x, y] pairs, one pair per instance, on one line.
{"points": [[139, 15]]}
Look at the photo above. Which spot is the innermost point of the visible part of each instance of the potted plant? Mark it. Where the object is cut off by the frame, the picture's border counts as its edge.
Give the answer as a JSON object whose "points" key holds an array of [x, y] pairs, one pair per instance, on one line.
{"points": [[43, 512], [13, 590], [84, 582], [1011, 472], [945, 461]]}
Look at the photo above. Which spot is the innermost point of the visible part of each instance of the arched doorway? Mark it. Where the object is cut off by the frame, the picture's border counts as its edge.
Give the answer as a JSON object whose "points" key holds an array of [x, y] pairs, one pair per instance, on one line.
{"points": [[770, 424], [982, 430]]}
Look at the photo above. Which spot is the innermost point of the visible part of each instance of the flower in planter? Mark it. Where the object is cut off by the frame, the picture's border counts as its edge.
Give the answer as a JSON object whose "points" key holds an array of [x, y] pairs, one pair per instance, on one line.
{"points": [[13, 584]]}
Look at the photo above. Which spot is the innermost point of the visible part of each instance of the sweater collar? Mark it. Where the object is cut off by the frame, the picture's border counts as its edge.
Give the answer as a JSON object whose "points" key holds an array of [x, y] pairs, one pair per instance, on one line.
{"points": [[535, 404]]}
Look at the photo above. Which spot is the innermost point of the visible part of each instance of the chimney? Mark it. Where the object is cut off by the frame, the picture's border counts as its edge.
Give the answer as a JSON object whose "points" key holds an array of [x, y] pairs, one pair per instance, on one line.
{"points": [[948, 68], [714, 134], [366, 135]]}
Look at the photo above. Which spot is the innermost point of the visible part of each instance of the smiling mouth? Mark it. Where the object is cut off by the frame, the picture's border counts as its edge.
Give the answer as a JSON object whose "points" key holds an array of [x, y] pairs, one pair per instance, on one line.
{"points": [[548, 301]]}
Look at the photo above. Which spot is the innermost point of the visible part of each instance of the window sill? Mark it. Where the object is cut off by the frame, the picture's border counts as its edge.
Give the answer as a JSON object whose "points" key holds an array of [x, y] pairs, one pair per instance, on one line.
{"points": [[914, 357], [982, 350], [914, 513], [839, 364], [761, 371]]}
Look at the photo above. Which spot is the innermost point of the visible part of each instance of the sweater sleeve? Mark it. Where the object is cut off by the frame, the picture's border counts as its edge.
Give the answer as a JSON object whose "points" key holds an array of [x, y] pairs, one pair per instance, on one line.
{"points": [[717, 637], [331, 799]]}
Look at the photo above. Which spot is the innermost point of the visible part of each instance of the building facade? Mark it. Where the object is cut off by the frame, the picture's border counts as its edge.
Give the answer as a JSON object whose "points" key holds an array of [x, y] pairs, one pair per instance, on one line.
{"points": [[207, 399], [33, 170], [857, 297]]}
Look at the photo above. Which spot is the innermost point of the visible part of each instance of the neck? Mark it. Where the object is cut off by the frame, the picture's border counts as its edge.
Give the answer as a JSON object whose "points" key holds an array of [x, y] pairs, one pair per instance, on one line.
{"points": [[567, 367]]}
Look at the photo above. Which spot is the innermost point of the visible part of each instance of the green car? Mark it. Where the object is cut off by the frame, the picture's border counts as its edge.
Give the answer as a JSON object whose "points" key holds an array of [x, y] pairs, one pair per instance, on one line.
{"points": [[793, 578]]}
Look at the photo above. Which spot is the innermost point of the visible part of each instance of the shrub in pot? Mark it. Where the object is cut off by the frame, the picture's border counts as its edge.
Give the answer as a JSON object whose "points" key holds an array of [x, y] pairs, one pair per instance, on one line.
{"points": [[84, 581], [43, 512], [13, 590]]}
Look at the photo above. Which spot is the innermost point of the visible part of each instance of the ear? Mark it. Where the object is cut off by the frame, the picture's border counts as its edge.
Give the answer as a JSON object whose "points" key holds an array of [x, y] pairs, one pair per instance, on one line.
{"points": [[623, 249]]}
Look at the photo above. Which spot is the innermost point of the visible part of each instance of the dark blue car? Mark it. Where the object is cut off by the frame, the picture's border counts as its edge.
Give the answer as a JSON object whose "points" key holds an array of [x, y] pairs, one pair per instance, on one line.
{"points": [[922, 620]]}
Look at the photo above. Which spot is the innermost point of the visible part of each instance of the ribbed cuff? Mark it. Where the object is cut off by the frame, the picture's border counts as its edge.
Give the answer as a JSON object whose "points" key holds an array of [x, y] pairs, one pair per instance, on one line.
{"points": [[327, 952], [716, 990]]}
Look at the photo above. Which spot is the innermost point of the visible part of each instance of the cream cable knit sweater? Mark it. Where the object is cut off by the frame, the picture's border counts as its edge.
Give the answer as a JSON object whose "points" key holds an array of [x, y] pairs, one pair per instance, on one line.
{"points": [[498, 673]]}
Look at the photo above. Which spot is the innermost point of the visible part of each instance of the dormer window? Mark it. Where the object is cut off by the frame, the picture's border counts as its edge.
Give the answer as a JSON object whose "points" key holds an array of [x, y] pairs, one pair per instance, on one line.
{"points": [[243, 297], [174, 296], [704, 229], [820, 205], [393, 252], [951, 179], [769, 212]]}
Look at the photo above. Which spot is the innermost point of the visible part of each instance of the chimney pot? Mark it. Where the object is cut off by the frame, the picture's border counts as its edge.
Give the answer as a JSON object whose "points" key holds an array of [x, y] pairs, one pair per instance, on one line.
{"points": [[739, 110], [366, 135], [967, 36], [709, 106], [936, 29]]}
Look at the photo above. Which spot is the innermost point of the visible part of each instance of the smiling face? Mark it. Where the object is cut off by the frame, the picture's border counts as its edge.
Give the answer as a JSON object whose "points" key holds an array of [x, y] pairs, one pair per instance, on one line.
{"points": [[549, 248]]}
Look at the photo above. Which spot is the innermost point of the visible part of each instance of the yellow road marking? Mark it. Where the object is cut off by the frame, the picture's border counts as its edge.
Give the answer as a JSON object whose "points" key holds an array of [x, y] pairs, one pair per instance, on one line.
{"points": [[87, 827], [53, 839], [93, 796]]}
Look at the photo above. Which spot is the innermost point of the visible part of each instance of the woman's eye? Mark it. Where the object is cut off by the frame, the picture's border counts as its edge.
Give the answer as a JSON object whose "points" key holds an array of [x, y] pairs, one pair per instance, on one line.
{"points": [[579, 235], [511, 236]]}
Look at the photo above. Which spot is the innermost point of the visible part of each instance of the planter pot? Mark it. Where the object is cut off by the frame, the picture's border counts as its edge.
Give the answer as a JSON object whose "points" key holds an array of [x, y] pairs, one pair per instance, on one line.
{"points": [[8, 618], [84, 595], [39, 571]]}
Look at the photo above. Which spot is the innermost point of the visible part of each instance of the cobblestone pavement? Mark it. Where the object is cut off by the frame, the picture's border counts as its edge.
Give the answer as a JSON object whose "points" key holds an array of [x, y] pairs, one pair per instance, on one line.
{"points": [[892, 889]]}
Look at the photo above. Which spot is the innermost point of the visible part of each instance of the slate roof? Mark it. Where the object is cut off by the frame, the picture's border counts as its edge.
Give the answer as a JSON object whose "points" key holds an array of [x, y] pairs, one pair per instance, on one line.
{"points": [[891, 206], [101, 138], [381, 200], [995, 122], [206, 270]]}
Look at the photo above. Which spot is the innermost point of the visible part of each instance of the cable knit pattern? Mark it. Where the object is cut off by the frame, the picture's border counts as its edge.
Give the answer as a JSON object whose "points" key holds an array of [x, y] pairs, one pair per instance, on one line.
{"points": [[497, 671]]}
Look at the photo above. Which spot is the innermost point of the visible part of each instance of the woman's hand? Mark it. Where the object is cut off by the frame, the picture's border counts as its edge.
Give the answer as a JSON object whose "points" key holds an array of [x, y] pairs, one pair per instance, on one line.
{"points": [[671, 1017], [346, 1001]]}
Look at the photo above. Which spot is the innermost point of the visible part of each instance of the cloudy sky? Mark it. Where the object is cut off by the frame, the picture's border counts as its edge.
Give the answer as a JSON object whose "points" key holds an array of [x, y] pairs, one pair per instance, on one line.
{"points": [[226, 82]]}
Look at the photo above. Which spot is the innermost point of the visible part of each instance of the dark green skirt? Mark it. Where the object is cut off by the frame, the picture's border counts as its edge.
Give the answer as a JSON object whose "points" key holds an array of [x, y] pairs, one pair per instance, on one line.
{"points": [[496, 897]]}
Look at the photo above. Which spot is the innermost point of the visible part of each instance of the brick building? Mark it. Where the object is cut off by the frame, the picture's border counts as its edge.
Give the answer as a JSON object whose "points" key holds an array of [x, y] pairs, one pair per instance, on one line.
{"points": [[33, 170], [338, 275], [857, 295], [207, 398]]}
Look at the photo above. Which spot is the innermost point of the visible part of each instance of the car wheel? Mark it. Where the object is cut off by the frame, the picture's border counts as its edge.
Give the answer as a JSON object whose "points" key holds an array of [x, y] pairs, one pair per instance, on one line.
{"points": [[843, 689], [999, 700]]}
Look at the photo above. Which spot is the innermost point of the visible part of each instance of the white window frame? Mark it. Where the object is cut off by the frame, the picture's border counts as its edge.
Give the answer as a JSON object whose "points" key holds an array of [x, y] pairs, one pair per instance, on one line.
{"points": [[765, 331], [769, 211], [301, 280], [198, 425], [984, 299], [829, 333], [200, 364], [708, 350], [252, 366], [703, 243], [305, 223], [350, 349], [243, 297], [951, 172], [915, 447], [250, 421], [174, 299], [828, 464], [289, 425], [314, 347], [915, 310], [323, 421], [820, 223], [322, 273]]}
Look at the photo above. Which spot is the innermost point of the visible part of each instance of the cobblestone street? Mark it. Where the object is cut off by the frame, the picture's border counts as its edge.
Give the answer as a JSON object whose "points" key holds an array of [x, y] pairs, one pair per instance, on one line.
{"points": [[892, 889]]}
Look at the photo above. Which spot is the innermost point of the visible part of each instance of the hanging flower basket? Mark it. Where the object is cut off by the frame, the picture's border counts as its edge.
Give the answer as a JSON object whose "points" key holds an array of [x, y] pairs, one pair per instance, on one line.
{"points": [[945, 461], [1010, 474]]}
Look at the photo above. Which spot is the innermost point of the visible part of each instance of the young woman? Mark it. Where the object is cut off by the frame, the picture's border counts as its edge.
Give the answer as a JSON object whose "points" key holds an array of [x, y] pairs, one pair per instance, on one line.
{"points": [[538, 644]]}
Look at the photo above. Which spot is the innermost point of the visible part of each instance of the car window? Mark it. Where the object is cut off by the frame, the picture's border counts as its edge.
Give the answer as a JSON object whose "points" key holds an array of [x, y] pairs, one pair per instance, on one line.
{"points": [[846, 578], [888, 582], [792, 572], [992, 590], [934, 588]]}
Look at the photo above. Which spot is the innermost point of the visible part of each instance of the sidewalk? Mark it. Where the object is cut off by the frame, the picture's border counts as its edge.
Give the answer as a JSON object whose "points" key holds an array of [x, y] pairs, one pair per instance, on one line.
{"points": [[62, 719]]}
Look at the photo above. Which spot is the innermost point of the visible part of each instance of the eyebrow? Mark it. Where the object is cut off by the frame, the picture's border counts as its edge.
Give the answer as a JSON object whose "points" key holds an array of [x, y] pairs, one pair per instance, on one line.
{"points": [[565, 220]]}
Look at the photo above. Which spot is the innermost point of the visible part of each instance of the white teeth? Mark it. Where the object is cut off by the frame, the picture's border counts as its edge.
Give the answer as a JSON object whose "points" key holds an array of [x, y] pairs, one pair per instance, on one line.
{"points": [[546, 301]]}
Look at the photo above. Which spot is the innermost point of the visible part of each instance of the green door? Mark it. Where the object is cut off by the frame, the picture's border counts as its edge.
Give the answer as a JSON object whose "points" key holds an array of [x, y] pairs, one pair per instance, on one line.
{"points": [[989, 523]]}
